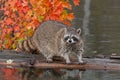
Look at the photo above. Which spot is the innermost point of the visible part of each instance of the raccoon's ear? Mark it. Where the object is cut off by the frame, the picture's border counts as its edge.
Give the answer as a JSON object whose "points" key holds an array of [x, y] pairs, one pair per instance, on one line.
{"points": [[79, 31]]}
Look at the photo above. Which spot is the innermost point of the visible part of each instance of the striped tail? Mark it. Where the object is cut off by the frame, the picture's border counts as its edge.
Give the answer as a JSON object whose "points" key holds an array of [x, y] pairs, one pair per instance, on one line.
{"points": [[26, 46]]}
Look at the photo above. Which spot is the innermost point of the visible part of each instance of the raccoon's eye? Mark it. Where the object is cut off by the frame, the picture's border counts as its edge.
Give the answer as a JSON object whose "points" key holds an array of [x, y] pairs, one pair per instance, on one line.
{"points": [[66, 38], [75, 39]]}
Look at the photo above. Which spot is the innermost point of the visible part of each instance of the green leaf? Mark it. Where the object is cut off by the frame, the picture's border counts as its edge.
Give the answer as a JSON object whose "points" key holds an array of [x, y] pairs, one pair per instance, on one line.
{"points": [[20, 40], [40, 18], [5, 42], [13, 46]]}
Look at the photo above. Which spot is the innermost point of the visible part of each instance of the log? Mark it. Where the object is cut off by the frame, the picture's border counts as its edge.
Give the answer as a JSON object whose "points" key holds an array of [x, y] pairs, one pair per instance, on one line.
{"points": [[17, 59], [115, 57]]}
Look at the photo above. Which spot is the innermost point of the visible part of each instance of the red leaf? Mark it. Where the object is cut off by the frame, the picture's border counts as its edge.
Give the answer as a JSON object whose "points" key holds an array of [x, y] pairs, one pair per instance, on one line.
{"points": [[54, 16], [16, 28], [0, 43], [9, 21], [70, 16], [18, 3], [58, 8], [67, 5], [7, 12], [67, 23], [9, 30], [11, 74], [25, 9], [76, 2]]}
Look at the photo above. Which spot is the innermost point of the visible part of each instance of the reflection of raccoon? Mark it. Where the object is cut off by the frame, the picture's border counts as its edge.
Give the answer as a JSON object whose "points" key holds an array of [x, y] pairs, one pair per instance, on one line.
{"points": [[53, 38]]}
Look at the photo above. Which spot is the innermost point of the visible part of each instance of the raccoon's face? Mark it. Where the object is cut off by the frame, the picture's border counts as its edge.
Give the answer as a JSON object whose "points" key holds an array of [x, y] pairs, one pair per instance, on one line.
{"points": [[72, 37]]}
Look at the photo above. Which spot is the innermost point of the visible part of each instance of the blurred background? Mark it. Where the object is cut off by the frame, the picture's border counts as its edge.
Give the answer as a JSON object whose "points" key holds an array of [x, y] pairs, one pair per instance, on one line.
{"points": [[100, 23]]}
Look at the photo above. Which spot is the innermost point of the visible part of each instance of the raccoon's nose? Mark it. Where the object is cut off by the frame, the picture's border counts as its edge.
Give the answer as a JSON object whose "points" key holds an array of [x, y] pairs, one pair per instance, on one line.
{"points": [[70, 41]]}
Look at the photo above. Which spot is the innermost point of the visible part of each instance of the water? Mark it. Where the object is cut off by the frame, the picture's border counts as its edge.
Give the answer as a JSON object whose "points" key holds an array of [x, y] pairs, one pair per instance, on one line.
{"points": [[56, 74], [100, 23]]}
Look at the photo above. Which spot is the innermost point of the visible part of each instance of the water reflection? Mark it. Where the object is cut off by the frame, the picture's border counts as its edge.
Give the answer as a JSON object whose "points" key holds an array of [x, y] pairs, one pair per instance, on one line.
{"points": [[101, 75], [9, 74], [56, 74], [51, 74]]}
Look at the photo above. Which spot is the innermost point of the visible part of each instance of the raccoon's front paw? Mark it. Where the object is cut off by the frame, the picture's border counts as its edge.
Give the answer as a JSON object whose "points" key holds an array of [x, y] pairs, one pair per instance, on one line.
{"points": [[68, 62], [82, 62]]}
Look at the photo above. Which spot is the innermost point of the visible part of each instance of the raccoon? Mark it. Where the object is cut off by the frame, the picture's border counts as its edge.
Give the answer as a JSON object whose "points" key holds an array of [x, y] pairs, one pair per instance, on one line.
{"points": [[53, 38]]}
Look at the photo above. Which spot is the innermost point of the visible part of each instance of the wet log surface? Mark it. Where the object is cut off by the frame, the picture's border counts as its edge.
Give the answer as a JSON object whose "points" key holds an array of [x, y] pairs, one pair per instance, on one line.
{"points": [[17, 59]]}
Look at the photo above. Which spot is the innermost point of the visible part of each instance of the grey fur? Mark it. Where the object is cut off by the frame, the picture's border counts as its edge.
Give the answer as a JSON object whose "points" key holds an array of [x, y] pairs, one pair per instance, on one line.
{"points": [[49, 40]]}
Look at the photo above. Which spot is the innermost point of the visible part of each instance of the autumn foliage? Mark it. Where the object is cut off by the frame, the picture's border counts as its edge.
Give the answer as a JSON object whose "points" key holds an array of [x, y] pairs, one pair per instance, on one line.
{"points": [[21, 17]]}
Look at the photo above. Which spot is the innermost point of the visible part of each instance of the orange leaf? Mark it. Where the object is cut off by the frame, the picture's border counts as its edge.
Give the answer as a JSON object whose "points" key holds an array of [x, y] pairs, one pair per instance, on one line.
{"points": [[16, 28], [67, 5], [70, 16], [0, 44], [7, 12], [54, 16], [67, 23], [76, 2], [8, 44], [25, 9], [17, 34], [9, 21], [9, 30], [58, 9]]}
